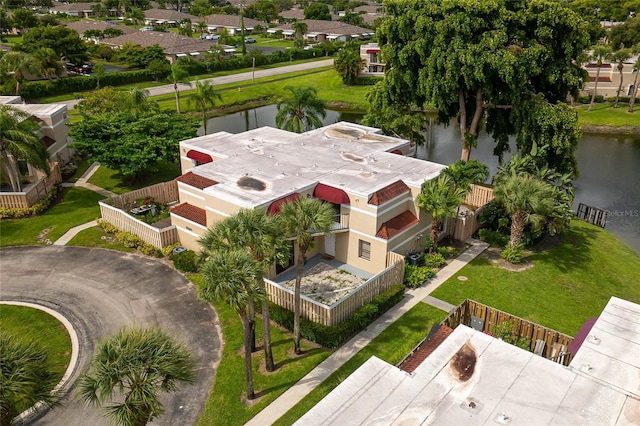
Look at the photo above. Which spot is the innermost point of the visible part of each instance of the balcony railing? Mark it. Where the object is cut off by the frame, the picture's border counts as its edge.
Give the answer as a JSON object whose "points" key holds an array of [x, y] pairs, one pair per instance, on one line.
{"points": [[340, 222]]}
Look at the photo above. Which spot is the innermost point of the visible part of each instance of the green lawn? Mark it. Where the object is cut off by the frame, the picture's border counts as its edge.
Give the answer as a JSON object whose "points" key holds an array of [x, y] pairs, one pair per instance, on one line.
{"points": [[35, 324], [571, 281], [79, 206], [113, 181], [605, 115], [392, 345], [96, 237], [224, 406]]}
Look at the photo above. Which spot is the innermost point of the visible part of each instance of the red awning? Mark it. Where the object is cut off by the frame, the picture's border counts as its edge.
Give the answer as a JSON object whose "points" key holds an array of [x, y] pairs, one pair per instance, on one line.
{"points": [[582, 334], [373, 50], [397, 151], [200, 157], [274, 208], [330, 194]]}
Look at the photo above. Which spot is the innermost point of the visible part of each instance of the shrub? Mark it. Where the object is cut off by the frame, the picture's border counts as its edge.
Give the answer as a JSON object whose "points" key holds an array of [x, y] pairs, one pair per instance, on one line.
{"points": [[168, 250], [494, 238], [506, 331], [513, 254], [434, 260], [415, 276], [187, 261], [107, 227], [446, 251], [332, 336], [128, 239], [367, 81], [68, 170]]}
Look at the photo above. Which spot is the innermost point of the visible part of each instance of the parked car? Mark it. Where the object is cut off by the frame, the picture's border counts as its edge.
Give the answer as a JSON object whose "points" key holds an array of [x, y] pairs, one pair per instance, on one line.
{"points": [[250, 40], [146, 29]]}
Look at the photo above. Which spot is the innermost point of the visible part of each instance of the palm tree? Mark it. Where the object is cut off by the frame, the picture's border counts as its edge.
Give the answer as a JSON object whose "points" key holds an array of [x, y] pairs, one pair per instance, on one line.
{"points": [[231, 276], [262, 235], [299, 29], [600, 54], [439, 197], [128, 371], [17, 64], [137, 102], [301, 111], [202, 27], [18, 137], [204, 99], [636, 71], [619, 57], [26, 377], [348, 65], [178, 75], [304, 218], [49, 63], [526, 199]]}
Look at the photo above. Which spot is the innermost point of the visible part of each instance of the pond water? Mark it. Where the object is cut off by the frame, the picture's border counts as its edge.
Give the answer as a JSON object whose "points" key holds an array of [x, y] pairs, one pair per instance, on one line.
{"points": [[609, 164]]}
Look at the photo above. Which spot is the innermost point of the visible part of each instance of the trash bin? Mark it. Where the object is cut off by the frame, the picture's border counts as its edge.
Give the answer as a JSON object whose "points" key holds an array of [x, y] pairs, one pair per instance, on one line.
{"points": [[414, 259]]}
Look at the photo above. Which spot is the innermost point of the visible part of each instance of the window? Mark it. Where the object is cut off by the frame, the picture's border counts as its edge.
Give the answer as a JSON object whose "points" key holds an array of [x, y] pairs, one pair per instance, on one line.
{"points": [[364, 250]]}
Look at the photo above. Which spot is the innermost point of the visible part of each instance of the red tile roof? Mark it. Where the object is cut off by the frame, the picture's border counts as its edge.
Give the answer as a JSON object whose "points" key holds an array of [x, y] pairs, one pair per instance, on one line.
{"points": [[192, 213], [387, 193], [193, 179], [425, 349], [393, 227], [600, 79]]}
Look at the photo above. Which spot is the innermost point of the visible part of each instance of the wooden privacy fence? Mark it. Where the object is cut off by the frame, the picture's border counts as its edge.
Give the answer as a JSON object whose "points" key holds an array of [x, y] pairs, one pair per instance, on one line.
{"points": [[485, 318], [147, 233], [164, 192], [343, 308], [478, 196], [26, 199]]}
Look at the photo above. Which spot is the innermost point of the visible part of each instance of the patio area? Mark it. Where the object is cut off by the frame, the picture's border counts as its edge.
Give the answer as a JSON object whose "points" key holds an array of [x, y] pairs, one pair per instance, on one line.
{"points": [[325, 280]]}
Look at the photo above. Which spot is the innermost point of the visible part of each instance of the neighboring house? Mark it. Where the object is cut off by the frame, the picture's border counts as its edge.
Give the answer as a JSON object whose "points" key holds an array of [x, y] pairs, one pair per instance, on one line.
{"points": [[85, 25], [83, 10], [370, 13], [298, 15], [166, 16], [215, 23], [609, 79], [319, 31], [175, 46], [472, 378], [373, 65], [53, 120], [353, 167]]}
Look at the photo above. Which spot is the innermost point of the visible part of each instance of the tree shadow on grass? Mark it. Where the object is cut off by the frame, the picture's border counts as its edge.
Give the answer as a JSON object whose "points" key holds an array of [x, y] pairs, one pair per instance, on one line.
{"points": [[569, 251]]}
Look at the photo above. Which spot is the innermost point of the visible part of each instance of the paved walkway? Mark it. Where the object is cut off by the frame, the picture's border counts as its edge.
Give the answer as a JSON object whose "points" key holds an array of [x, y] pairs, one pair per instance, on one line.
{"points": [[304, 386]]}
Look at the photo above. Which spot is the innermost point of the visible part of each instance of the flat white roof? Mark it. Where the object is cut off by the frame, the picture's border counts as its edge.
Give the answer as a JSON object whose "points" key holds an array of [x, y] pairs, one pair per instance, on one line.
{"points": [[507, 385], [352, 157]]}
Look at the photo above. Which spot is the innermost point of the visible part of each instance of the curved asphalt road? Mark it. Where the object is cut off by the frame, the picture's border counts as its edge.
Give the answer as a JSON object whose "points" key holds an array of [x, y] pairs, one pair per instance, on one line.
{"points": [[100, 291]]}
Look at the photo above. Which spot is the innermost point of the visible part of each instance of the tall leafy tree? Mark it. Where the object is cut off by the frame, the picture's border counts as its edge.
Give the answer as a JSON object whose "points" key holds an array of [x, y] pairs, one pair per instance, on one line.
{"points": [[204, 99], [16, 65], [26, 377], [231, 276], [64, 41], [24, 19], [600, 53], [479, 61], [317, 10], [620, 56], [19, 141], [526, 199], [348, 64], [303, 218], [130, 369], [178, 75], [301, 111], [440, 198], [263, 236]]}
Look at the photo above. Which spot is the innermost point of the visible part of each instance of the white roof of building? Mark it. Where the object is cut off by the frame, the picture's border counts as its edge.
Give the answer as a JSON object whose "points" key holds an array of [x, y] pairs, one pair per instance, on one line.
{"points": [[351, 157], [505, 384]]}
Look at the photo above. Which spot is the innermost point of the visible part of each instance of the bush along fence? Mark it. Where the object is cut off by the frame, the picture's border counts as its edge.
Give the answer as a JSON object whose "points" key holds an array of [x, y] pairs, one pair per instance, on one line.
{"points": [[30, 201], [543, 341], [345, 307], [116, 211]]}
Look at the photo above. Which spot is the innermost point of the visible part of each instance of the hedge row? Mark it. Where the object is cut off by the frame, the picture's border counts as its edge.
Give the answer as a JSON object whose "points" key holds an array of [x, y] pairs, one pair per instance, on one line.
{"points": [[332, 336]]}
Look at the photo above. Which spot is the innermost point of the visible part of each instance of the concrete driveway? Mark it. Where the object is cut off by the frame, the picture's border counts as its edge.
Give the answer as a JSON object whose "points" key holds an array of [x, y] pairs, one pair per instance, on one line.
{"points": [[100, 291]]}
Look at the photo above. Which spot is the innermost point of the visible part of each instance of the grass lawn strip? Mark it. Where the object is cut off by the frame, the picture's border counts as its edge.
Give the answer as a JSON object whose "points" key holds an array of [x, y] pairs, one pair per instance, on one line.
{"points": [[572, 280], [605, 116], [113, 181], [392, 345], [79, 205], [224, 406], [51, 335]]}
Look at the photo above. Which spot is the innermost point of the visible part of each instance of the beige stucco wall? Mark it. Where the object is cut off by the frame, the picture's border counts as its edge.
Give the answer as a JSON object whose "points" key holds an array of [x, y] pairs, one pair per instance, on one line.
{"points": [[188, 232], [608, 89]]}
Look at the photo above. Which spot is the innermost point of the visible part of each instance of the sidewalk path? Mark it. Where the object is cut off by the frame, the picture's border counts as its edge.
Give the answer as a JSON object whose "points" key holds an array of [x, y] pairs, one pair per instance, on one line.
{"points": [[304, 386], [82, 182], [232, 78]]}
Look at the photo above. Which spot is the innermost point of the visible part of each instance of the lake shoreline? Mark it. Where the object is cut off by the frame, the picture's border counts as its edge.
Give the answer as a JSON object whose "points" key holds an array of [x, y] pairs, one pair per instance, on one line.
{"points": [[610, 130]]}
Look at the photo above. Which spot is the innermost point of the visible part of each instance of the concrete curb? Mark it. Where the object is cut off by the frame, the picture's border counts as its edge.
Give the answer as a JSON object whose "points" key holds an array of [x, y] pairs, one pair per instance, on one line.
{"points": [[304, 386], [75, 349]]}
